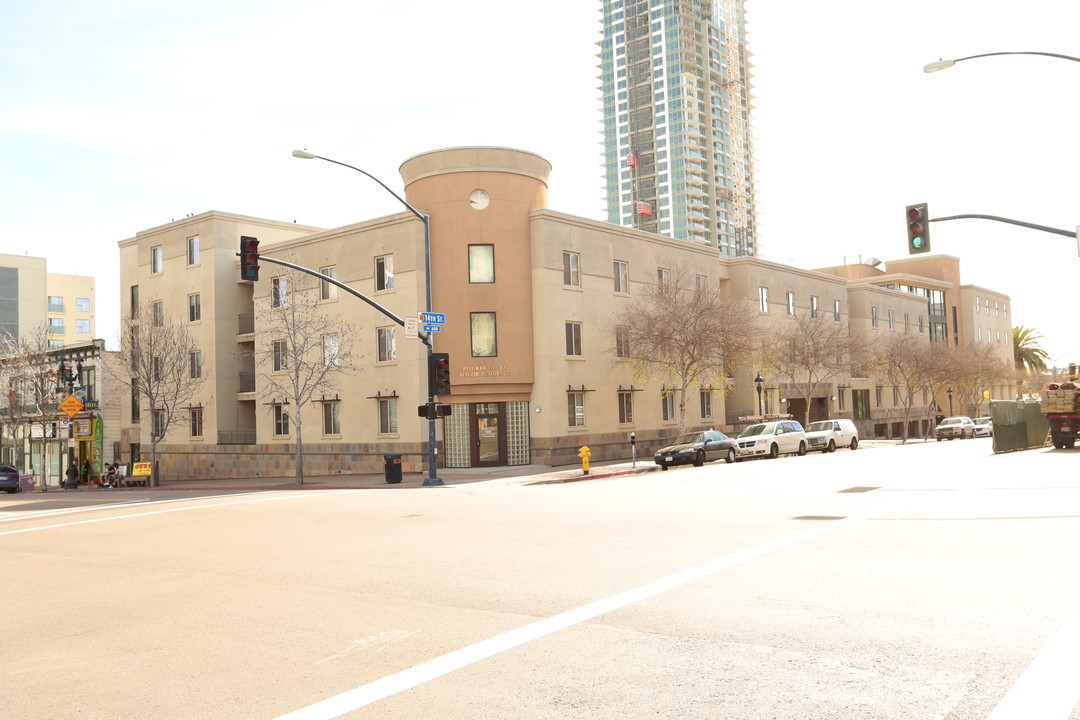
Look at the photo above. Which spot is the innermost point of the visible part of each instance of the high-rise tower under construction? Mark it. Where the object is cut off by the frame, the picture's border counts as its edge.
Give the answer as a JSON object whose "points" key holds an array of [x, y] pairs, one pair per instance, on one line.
{"points": [[677, 143]]}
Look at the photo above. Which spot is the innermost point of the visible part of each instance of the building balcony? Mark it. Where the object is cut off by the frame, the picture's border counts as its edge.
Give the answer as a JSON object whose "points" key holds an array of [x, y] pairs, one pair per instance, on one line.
{"points": [[245, 324], [236, 437], [247, 382]]}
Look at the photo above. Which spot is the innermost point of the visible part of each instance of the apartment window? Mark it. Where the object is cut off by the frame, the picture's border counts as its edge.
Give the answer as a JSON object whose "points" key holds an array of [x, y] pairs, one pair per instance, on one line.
{"points": [[790, 303], [663, 276], [892, 323], [877, 395], [193, 250], [621, 271], [907, 321], [281, 421], [331, 418], [836, 310], [573, 339], [763, 299], [706, 404], [387, 342], [622, 342], [135, 415], [813, 306], [279, 352], [896, 396], [388, 416], [56, 303], [158, 424], [195, 422], [481, 263], [384, 272], [327, 291], [667, 405], [158, 313], [156, 258], [134, 298], [82, 326], [571, 269], [482, 334], [575, 409], [840, 399], [330, 348], [158, 367], [82, 304], [976, 304], [194, 308], [873, 317], [56, 325], [626, 407], [701, 284], [195, 364], [920, 324], [278, 291]]}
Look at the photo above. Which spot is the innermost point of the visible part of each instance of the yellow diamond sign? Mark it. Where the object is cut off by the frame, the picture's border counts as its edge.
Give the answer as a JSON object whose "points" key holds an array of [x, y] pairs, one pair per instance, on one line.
{"points": [[71, 405]]}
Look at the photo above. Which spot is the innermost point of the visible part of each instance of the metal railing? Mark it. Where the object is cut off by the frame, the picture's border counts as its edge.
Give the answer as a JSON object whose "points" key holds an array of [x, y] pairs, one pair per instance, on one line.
{"points": [[247, 382], [236, 437], [245, 323]]}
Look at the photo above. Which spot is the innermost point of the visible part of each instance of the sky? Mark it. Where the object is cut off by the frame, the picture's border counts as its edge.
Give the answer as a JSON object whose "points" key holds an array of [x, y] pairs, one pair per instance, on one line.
{"points": [[120, 116]]}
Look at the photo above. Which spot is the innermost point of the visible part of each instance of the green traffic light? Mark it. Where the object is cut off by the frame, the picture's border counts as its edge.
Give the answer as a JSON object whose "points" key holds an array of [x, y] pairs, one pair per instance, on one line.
{"points": [[916, 242]]}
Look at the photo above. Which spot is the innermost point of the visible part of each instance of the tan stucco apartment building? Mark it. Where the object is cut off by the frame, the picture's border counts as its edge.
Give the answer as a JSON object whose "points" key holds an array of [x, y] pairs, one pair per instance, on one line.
{"points": [[530, 296]]}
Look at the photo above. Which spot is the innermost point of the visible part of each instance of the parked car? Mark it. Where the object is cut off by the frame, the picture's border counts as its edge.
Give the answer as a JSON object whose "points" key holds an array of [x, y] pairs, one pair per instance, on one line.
{"points": [[9, 478], [951, 428], [772, 439], [696, 448], [827, 435], [984, 427]]}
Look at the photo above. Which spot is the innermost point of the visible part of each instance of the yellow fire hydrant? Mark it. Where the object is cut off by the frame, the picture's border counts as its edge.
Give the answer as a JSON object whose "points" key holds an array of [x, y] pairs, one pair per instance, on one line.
{"points": [[584, 453]]}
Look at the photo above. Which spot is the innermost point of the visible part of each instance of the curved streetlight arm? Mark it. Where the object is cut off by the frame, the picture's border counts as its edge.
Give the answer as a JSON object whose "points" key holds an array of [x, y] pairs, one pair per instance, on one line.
{"points": [[943, 64], [312, 156]]}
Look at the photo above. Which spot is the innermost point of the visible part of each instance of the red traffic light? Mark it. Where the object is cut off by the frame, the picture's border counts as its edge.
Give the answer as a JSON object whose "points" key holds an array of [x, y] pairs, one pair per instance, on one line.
{"points": [[249, 258]]}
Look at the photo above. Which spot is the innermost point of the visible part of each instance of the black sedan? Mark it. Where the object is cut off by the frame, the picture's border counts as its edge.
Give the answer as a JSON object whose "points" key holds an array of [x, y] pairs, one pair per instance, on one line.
{"points": [[696, 448], [9, 478]]}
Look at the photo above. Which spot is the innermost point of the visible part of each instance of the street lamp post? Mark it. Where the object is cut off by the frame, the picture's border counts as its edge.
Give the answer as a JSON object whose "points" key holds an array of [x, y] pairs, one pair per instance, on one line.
{"points": [[432, 478], [758, 381], [65, 374], [943, 64], [949, 391]]}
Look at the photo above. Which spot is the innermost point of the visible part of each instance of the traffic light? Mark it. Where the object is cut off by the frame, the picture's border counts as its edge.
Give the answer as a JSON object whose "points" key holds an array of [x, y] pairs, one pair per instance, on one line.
{"points": [[434, 411], [439, 374], [918, 229], [249, 258]]}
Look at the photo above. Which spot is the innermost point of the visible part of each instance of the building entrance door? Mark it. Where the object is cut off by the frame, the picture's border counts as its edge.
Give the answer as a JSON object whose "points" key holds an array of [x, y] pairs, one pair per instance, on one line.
{"points": [[487, 424]]}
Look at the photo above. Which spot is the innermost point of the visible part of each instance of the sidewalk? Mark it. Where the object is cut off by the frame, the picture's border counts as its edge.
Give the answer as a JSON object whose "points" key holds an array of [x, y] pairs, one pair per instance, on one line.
{"points": [[523, 475]]}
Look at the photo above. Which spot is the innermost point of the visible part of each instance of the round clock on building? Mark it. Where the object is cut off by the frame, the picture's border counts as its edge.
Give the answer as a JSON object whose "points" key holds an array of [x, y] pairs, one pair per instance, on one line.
{"points": [[478, 199]]}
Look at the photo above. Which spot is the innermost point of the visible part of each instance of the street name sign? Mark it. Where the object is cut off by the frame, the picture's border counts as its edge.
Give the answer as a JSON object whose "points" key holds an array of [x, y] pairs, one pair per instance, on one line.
{"points": [[432, 318]]}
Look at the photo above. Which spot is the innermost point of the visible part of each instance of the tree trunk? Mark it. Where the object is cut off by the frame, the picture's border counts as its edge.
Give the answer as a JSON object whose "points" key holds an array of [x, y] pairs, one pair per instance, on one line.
{"points": [[153, 465], [299, 455]]}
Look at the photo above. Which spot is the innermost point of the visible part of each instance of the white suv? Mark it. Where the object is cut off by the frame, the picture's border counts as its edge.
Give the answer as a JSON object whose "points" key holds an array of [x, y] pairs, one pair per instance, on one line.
{"points": [[772, 439], [827, 435]]}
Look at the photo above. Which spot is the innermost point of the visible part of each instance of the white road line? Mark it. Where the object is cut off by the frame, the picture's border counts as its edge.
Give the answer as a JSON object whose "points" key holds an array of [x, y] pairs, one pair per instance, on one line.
{"points": [[1050, 688], [111, 518], [35, 514], [374, 691]]}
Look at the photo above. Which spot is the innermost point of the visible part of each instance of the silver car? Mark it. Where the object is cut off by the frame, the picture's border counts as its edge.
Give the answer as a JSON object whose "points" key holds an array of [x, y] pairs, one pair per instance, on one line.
{"points": [[951, 428], [772, 439]]}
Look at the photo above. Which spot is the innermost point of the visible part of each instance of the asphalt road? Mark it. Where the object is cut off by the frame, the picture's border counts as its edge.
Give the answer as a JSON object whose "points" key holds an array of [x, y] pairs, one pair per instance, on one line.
{"points": [[929, 581]]}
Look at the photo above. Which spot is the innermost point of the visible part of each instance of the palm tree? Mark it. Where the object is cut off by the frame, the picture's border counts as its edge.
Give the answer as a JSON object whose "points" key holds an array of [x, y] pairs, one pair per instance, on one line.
{"points": [[1026, 351]]}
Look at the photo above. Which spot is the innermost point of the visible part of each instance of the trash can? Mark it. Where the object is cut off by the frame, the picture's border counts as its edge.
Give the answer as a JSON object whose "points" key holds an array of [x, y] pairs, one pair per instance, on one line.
{"points": [[392, 468]]}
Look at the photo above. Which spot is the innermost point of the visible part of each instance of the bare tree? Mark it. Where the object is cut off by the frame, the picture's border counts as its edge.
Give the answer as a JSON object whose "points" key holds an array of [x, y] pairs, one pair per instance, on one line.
{"points": [[31, 385], [301, 348], [679, 332], [977, 369], [901, 358], [810, 349], [155, 365]]}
